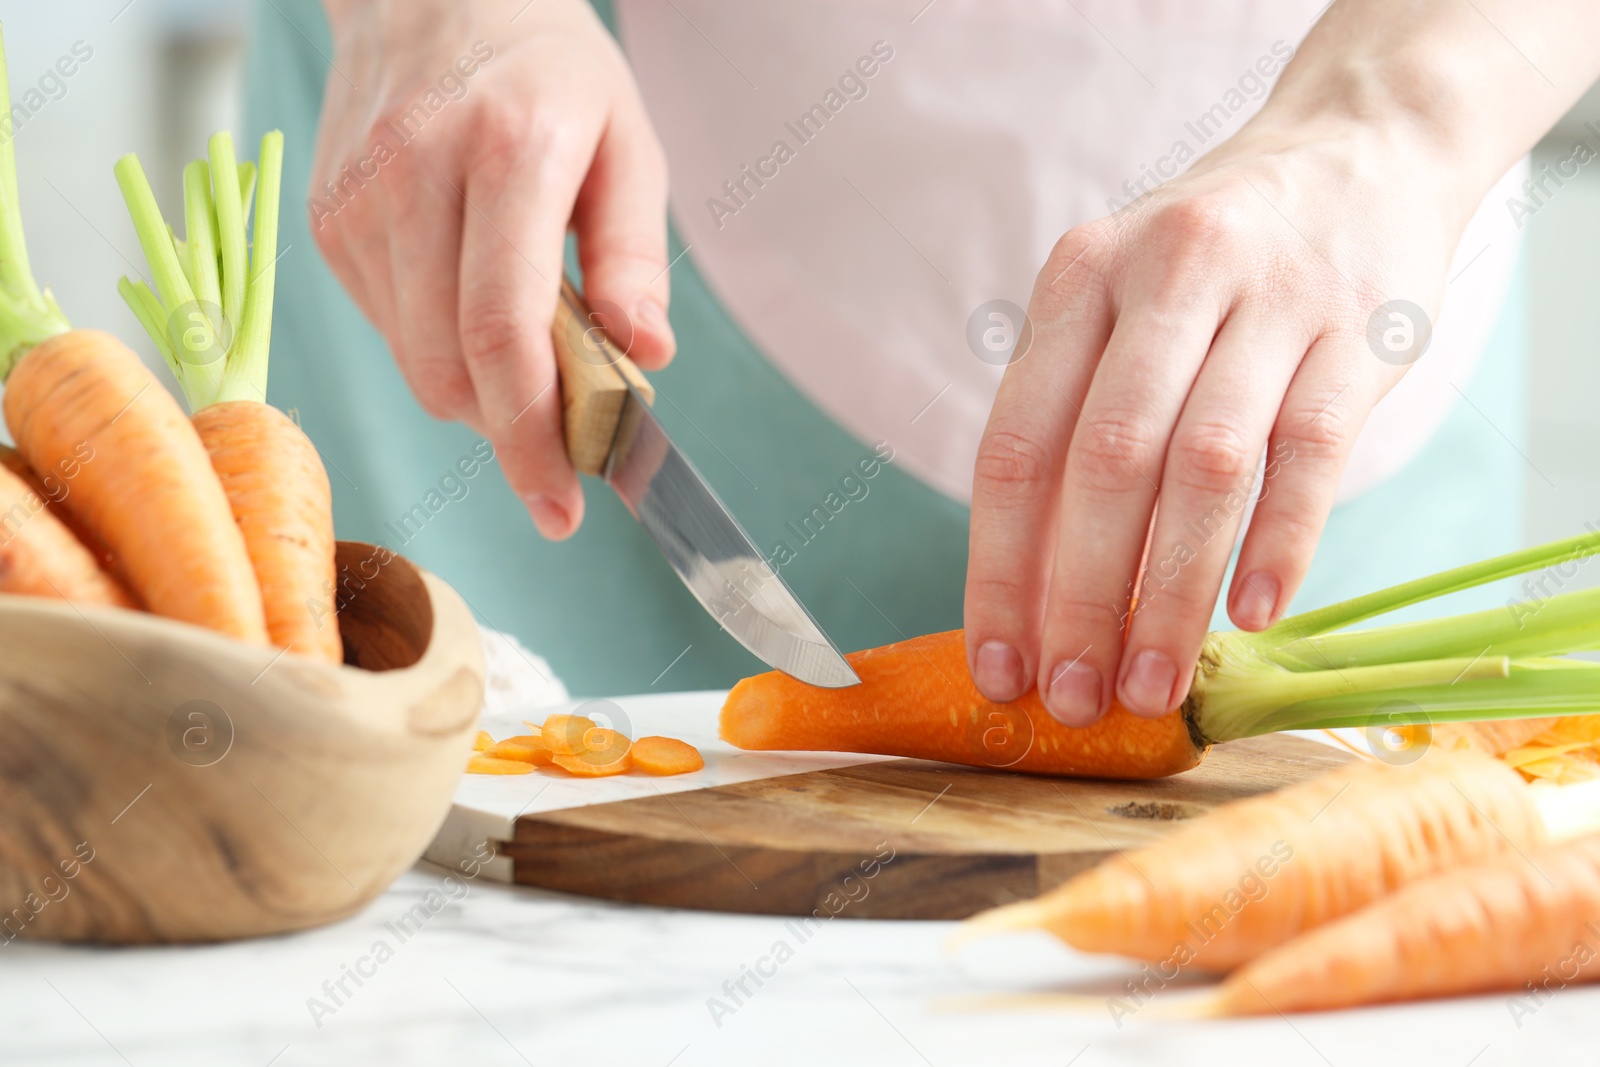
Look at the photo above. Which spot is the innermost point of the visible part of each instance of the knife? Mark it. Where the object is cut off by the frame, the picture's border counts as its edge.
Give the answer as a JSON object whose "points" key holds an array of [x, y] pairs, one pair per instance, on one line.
{"points": [[612, 433]]}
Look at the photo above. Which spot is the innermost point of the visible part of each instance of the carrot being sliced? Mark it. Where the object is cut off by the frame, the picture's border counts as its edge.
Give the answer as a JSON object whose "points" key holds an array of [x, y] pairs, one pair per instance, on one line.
{"points": [[666, 756], [916, 698], [1224, 888], [210, 316], [489, 765], [1511, 923], [1311, 671]]}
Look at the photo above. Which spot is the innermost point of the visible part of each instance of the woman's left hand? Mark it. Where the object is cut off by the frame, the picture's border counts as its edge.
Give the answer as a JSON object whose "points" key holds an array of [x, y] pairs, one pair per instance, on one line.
{"points": [[1226, 315]]}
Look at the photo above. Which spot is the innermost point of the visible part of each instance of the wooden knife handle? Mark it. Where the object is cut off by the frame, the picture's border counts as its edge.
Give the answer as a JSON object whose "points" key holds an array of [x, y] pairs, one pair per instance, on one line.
{"points": [[595, 374]]}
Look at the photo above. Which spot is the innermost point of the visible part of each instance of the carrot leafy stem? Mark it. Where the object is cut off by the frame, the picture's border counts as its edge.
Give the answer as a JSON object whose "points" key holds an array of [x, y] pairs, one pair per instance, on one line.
{"points": [[28, 315], [1307, 672], [210, 312]]}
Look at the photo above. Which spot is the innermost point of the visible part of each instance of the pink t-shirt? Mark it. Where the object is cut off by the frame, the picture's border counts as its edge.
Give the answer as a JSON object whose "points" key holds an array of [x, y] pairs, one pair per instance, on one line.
{"points": [[856, 177]]}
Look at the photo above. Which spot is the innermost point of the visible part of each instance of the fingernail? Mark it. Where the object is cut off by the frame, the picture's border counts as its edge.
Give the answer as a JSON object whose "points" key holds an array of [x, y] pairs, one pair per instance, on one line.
{"points": [[551, 518], [997, 670], [654, 317], [1073, 698], [1147, 685], [1253, 608]]}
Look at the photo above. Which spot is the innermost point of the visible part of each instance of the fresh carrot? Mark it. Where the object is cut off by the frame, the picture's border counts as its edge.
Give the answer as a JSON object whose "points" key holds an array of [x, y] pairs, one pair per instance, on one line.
{"points": [[212, 322], [1255, 873], [39, 556], [666, 756], [150, 496], [483, 742], [1514, 922], [53, 488], [916, 697], [284, 508]]}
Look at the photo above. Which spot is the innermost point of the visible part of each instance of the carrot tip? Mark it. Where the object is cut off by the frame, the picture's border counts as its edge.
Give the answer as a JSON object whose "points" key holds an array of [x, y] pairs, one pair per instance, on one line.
{"points": [[1023, 915], [1076, 1003]]}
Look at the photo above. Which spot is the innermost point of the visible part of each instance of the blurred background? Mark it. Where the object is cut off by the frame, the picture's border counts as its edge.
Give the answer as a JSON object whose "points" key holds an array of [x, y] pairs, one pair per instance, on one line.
{"points": [[163, 74]]}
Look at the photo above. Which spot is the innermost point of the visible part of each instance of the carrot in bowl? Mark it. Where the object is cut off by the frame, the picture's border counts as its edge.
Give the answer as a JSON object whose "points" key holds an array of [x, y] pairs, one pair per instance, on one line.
{"points": [[150, 495], [1224, 888], [212, 322], [39, 556], [1516, 921], [53, 488], [916, 697]]}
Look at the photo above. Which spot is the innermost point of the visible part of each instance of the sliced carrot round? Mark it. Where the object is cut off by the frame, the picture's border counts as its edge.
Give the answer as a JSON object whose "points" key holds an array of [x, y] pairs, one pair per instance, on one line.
{"points": [[564, 733], [491, 765], [526, 748], [604, 752], [666, 755]]}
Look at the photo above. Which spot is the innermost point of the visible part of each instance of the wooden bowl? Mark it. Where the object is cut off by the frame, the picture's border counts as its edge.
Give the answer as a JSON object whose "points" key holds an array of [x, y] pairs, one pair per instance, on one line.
{"points": [[160, 782]]}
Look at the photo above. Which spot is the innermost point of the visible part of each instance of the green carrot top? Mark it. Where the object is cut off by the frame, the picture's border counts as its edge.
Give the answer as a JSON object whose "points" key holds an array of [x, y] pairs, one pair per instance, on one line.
{"points": [[28, 315], [210, 313]]}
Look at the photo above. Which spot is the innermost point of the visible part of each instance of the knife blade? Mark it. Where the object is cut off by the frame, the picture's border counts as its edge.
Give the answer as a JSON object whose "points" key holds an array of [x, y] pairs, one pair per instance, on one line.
{"points": [[611, 432]]}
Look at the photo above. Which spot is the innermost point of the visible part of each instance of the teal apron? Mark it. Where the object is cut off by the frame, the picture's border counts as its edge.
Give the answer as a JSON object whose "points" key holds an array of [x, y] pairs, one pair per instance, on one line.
{"points": [[875, 559]]}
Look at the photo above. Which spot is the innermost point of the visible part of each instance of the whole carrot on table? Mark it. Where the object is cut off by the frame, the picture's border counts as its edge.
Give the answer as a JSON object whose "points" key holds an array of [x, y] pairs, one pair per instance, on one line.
{"points": [[917, 698], [149, 496], [1517, 921], [212, 321], [1225, 888]]}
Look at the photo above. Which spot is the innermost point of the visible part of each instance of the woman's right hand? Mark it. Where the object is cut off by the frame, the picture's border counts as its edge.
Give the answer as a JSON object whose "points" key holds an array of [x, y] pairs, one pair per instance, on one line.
{"points": [[473, 132]]}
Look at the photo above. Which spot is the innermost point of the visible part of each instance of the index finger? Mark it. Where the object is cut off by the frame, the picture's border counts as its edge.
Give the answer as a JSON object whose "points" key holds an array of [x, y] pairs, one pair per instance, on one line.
{"points": [[513, 237]]}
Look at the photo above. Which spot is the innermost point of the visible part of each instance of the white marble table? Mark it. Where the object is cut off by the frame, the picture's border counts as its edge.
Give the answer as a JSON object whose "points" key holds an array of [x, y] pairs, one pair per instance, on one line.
{"points": [[513, 976], [496, 974]]}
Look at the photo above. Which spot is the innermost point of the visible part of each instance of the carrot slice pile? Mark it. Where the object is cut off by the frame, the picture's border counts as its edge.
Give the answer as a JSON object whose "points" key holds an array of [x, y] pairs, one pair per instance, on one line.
{"points": [[666, 755], [525, 748], [604, 753], [576, 745], [490, 765], [564, 733]]}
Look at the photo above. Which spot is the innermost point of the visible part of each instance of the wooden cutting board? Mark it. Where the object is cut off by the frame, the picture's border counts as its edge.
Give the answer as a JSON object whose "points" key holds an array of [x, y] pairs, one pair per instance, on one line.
{"points": [[900, 839]]}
